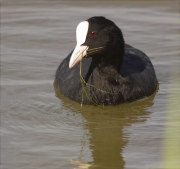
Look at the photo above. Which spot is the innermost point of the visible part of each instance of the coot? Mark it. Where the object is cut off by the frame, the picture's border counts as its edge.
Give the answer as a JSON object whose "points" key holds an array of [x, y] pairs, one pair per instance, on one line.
{"points": [[102, 69]]}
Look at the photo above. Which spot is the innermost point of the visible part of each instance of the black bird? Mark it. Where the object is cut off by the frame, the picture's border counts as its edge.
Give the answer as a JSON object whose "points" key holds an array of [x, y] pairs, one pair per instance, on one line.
{"points": [[112, 72]]}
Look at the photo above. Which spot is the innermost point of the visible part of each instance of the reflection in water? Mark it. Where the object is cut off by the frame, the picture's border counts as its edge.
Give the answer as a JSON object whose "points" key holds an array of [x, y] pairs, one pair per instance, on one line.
{"points": [[106, 129]]}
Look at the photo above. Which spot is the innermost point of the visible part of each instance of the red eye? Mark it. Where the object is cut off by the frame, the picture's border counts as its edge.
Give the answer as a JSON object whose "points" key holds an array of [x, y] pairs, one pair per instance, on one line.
{"points": [[93, 33]]}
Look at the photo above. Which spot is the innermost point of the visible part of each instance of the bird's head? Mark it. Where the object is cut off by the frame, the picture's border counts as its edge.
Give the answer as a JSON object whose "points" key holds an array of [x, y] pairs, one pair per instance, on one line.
{"points": [[100, 39]]}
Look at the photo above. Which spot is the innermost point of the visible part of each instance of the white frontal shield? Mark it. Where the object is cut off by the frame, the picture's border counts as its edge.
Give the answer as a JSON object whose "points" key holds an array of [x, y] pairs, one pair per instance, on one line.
{"points": [[79, 51]]}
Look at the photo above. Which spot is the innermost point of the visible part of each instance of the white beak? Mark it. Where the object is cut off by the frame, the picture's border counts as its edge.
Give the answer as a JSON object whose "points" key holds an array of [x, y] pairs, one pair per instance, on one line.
{"points": [[77, 55], [80, 51]]}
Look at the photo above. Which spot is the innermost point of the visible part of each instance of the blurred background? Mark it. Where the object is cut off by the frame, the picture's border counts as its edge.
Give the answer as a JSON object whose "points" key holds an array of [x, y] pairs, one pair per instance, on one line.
{"points": [[42, 129]]}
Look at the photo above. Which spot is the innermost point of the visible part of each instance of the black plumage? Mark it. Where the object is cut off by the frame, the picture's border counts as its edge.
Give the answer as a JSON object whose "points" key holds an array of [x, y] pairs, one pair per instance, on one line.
{"points": [[122, 73]]}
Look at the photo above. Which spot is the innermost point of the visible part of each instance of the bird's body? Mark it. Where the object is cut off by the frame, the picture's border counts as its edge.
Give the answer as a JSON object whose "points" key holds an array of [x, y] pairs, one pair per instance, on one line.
{"points": [[112, 75]]}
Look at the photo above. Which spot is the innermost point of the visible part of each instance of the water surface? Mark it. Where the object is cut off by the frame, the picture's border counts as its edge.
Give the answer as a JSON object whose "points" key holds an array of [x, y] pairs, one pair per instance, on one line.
{"points": [[41, 129]]}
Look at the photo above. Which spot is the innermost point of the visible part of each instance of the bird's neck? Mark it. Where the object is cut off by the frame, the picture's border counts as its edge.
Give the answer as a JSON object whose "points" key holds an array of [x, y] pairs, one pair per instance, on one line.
{"points": [[109, 63]]}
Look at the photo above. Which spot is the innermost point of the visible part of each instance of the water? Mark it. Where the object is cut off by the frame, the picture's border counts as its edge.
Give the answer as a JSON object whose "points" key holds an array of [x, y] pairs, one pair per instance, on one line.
{"points": [[41, 129]]}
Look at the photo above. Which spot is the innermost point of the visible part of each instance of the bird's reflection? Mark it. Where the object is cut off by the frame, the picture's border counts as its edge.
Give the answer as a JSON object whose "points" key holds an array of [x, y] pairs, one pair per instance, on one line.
{"points": [[106, 126]]}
